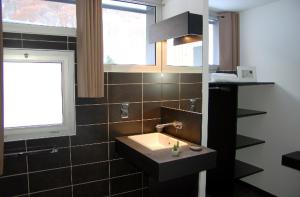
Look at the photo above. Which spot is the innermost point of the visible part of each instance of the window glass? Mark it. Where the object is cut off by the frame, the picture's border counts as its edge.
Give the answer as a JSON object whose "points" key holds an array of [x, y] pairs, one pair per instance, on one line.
{"points": [[39, 12], [125, 34], [32, 94], [189, 54], [213, 43]]}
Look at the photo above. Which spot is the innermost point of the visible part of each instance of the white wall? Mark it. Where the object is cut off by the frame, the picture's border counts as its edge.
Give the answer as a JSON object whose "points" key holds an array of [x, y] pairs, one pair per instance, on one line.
{"points": [[270, 40], [174, 7]]}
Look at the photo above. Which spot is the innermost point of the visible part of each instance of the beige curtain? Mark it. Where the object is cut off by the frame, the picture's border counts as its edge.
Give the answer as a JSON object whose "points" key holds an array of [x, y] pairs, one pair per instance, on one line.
{"points": [[1, 94], [90, 76], [229, 40]]}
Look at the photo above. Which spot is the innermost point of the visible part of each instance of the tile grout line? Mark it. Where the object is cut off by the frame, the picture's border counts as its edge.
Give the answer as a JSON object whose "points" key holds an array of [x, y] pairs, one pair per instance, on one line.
{"points": [[142, 103], [59, 168], [27, 169], [179, 95], [101, 104], [49, 149], [71, 165], [121, 193], [47, 190], [142, 118], [22, 44], [63, 147], [108, 134]]}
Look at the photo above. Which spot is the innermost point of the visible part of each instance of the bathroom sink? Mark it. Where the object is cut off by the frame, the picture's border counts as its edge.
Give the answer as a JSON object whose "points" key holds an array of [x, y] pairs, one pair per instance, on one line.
{"points": [[156, 141], [152, 154]]}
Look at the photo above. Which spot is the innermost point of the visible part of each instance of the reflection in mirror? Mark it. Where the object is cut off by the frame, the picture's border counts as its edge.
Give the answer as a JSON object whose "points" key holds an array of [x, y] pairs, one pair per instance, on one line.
{"points": [[189, 54]]}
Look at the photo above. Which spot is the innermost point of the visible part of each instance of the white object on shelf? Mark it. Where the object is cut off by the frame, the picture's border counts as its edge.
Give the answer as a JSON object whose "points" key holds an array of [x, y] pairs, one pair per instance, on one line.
{"points": [[246, 73], [223, 77]]}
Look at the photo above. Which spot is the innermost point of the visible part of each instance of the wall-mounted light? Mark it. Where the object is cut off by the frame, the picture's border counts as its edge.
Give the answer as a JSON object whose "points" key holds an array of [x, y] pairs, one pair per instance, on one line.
{"points": [[183, 28], [187, 39]]}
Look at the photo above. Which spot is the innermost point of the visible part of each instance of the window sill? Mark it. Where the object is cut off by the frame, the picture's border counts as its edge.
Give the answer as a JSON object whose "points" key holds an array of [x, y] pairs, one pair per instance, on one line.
{"points": [[38, 29]]}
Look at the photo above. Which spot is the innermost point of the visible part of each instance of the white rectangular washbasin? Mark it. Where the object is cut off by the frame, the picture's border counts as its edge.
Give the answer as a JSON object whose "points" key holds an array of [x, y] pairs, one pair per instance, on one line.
{"points": [[156, 141]]}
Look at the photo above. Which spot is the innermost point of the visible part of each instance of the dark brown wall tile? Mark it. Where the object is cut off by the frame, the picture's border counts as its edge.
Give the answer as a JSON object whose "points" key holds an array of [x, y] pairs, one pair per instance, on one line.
{"points": [[89, 153], [124, 93], [47, 143], [124, 129], [151, 110], [170, 92], [186, 105], [112, 151], [172, 104], [99, 189], [88, 101], [121, 167], [126, 183], [149, 125], [170, 78], [71, 39], [14, 164], [72, 46], [90, 172], [14, 185], [14, 147], [137, 193], [152, 78], [64, 192], [45, 45], [188, 91], [190, 78], [152, 92], [121, 78], [44, 37], [91, 114], [9, 43], [11, 35], [192, 124], [134, 112], [47, 160], [50, 179], [90, 135]]}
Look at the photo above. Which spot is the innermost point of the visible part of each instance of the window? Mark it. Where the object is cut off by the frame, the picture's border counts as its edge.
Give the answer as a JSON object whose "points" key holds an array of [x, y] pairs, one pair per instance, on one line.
{"points": [[125, 26], [213, 42], [185, 54], [38, 94], [39, 12], [125, 33]]}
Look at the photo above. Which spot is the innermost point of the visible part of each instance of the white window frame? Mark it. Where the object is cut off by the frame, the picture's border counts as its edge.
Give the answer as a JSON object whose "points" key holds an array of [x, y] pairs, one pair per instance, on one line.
{"points": [[216, 47], [68, 127]]}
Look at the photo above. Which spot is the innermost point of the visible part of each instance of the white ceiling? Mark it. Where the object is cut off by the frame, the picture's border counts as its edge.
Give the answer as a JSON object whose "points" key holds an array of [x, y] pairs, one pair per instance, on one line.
{"points": [[236, 5]]}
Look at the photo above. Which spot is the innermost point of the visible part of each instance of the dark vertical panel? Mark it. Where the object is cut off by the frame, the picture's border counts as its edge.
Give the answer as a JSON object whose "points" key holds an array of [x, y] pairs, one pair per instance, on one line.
{"points": [[221, 137]]}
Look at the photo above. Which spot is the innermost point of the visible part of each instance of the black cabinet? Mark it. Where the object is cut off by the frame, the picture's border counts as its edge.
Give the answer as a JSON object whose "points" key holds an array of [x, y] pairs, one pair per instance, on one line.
{"points": [[223, 115]]}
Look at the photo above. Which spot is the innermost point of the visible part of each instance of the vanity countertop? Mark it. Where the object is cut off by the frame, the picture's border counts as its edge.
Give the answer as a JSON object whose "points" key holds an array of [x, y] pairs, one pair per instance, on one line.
{"points": [[160, 164]]}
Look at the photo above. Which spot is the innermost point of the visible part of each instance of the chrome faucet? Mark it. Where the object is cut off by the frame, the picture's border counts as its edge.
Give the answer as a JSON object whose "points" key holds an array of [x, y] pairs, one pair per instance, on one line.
{"points": [[176, 124]]}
